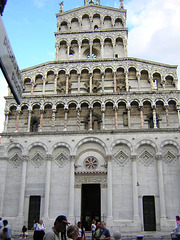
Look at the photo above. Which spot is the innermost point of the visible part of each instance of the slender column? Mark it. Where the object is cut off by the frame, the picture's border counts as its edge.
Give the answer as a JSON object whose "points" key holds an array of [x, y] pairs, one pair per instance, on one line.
{"points": [[161, 187], [141, 117], [109, 186], [151, 83], [167, 115], [68, 51], [125, 48], [44, 85], [23, 187], [139, 81], [163, 82], [78, 111], [90, 45], [55, 83], [135, 189], [90, 119], [127, 82], [71, 189], [53, 116], [79, 82], [41, 119], [79, 51], [102, 50], [103, 82], [65, 117], [178, 111], [113, 49], [29, 119], [47, 186], [17, 118], [116, 115], [32, 88], [90, 83], [154, 117], [57, 52], [115, 83], [103, 114], [129, 116], [67, 84], [6, 112]]}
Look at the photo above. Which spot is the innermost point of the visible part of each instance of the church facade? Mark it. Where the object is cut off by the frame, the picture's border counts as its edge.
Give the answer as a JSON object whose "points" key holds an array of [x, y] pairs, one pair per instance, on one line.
{"points": [[97, 133]]}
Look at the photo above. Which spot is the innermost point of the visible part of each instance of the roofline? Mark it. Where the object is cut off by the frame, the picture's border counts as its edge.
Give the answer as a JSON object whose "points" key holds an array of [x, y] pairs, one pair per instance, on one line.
{"points": [[91, 5], [101, 60]]}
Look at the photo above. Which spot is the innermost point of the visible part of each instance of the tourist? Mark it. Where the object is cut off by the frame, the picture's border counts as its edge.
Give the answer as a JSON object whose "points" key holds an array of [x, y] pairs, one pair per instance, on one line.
{"points": [[93, 228], [104, 232], [1, 224], [59, 226], [35, 224], [98, 227], [81, 231], [176, 230], [40, 229], [72, 232], [6, 230]]}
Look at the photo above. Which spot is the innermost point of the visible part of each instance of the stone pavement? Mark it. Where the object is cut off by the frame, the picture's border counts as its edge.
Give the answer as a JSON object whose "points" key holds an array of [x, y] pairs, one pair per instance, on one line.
{"points": [[125, 236]]}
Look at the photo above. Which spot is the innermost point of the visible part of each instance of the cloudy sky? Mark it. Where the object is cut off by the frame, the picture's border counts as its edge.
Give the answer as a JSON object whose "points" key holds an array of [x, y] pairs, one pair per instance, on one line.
{"points": [[154, 31]]}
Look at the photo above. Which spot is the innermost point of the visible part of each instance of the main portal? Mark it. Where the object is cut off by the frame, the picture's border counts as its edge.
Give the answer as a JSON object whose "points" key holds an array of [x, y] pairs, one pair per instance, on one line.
{"points": [[90, 204]]}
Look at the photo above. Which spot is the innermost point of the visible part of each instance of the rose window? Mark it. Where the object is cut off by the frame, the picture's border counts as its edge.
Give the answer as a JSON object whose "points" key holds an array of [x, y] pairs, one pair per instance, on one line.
{"points": [[91, 163]]}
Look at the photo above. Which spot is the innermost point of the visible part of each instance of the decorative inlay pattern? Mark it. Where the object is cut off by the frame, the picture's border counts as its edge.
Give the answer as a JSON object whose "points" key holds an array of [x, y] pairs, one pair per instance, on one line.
{"points": [[146, 158], [102, 179], [169, 157], [121, 158], [61, 160], [90, 163], [15, 160], [37, 160]]}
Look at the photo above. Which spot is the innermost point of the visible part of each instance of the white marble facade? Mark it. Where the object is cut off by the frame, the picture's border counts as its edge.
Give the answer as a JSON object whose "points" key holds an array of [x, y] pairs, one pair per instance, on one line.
{"points": [[93, 116]]}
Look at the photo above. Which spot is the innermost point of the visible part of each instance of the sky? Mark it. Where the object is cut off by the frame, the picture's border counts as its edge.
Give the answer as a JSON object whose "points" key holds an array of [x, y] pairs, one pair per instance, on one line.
{"points": [[154, 32]]}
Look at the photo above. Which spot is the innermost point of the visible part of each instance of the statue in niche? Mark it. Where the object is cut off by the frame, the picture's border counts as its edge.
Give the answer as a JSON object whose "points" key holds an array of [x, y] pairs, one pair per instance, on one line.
{"points": [[97, 2], [86, 2], [122, 5]]}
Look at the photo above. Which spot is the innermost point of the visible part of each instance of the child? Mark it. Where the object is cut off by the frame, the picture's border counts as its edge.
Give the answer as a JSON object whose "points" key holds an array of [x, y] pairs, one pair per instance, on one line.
{"points": [[24, 232]]}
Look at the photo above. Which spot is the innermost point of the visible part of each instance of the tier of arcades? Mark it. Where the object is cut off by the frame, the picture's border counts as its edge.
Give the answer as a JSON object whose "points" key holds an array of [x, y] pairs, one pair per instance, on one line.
{"points": [[98, 77], [93, 46], [95, 112], [91, 18], [91, 32]]}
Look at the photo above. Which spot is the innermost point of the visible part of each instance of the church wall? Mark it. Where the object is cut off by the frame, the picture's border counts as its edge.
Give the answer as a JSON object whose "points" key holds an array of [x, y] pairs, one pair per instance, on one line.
{"points": [[11, 194], [122, 191], [59, 189]]}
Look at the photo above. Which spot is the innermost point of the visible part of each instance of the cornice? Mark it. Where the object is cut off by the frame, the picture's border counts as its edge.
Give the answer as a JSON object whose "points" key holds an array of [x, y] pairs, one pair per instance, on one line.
{"points": [[91, 6]]}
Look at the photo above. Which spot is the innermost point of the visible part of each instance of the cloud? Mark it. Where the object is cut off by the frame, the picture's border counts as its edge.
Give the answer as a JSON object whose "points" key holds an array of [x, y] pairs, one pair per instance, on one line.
{"points": [[154, 30], [39, 3]]}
